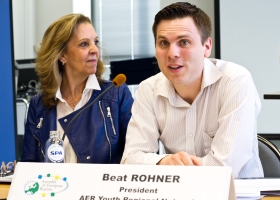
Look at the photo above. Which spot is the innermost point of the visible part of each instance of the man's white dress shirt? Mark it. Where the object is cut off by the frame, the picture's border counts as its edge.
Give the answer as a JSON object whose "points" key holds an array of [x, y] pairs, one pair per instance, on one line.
{"points": [[64, 109], [220, 126]]}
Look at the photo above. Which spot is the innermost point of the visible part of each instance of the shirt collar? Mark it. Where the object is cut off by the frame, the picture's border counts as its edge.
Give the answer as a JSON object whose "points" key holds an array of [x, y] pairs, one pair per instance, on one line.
{"points": [[211, 74], [91, 84]]}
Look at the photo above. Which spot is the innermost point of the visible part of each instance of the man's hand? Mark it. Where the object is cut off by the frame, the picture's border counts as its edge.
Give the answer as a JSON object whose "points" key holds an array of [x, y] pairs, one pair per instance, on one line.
{"points": [[180, 158]]}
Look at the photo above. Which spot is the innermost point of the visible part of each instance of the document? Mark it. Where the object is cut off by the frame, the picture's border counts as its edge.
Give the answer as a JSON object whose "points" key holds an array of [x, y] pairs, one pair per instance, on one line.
{"points": [[250, 198], [6, 179], [256, 188]]}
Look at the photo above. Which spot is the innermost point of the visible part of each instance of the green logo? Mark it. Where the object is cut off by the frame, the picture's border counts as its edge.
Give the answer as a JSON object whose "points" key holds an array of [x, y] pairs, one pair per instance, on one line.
{"points": [[31, 187], [48, 185]]}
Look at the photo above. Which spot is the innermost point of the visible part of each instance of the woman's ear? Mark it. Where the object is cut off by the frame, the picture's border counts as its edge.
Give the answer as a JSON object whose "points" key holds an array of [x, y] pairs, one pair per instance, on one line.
{"points": [[62, 60]]}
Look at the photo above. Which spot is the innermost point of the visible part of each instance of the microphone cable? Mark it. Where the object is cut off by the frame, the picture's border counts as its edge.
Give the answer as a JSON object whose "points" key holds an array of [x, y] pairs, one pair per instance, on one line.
{"points": [[117, 81]]}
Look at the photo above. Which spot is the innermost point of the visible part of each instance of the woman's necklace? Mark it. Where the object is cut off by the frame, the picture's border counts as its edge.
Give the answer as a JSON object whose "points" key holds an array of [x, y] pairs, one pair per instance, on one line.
{"points": [[74, 102]]}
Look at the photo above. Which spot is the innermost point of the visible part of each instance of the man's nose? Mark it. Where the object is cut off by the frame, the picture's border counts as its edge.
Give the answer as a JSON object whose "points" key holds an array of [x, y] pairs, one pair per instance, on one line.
{"points": [[173, 51]]}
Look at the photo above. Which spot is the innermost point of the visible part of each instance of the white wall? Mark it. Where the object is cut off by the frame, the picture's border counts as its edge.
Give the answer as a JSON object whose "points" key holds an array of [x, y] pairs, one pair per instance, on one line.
{"points": [[250, 37], [47, 11], [24, 28], [31, 18]]}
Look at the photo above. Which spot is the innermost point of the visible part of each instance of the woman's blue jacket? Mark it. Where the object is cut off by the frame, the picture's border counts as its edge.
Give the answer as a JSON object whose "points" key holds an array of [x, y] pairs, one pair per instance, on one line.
{"points": [[97, 134]]}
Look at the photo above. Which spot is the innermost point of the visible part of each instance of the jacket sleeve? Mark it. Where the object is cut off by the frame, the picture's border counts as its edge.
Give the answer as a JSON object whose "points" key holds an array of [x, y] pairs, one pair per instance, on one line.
{"points": [[125, 104], [30, 143]]}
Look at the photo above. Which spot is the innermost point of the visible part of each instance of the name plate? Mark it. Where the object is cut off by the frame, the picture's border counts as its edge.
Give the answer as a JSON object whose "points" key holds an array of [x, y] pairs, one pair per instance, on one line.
{"points": [[120, 182]]}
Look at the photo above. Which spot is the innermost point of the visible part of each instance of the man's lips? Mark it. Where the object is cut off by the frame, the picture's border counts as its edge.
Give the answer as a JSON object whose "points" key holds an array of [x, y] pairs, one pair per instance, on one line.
{"points": [[175, 66]]}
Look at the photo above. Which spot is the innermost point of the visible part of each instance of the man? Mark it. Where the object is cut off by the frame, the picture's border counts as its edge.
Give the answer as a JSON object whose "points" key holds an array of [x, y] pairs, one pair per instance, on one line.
{"points": [[202, 110]]}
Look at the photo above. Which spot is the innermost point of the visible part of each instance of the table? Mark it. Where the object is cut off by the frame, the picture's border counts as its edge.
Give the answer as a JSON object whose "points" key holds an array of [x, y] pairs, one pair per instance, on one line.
{"points": [[4, 190], [273, 95], [271, 198]]}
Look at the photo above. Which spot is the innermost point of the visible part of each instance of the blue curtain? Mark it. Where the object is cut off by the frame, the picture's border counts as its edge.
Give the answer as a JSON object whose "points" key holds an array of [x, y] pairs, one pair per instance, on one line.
{"points": [[7, 92]]}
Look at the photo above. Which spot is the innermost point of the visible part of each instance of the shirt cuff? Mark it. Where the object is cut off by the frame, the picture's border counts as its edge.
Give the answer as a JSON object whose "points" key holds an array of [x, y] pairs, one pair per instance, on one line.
{"points": [[153, 159]]}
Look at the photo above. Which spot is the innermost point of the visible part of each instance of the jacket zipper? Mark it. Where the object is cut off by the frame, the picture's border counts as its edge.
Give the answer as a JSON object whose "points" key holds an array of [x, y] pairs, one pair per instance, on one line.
{"points": [[110, 116], [40, 146], [106, 130], [40, 123]]}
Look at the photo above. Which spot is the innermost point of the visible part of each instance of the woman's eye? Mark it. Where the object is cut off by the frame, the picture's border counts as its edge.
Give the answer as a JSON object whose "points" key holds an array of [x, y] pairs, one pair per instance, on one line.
{"points": [[84, 44], [96, 42]]}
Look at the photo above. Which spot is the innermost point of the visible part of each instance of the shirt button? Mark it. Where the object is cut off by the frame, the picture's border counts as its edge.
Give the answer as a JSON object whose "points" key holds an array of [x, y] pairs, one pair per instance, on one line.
{"points": [[190, 109], [88, 157], [190, 134], [65, 120]]}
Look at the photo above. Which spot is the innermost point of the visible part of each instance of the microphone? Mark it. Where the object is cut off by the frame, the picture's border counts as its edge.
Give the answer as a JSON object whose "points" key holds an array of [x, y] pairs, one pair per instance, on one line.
{"points": [[117, 81]]}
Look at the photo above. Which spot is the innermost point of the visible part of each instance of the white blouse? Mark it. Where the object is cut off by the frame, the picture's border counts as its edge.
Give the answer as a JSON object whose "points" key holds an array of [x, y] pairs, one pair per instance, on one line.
{"points": [[64, 109]]}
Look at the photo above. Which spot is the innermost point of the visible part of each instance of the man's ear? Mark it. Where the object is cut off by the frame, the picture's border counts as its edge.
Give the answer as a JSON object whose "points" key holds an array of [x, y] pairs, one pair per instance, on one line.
{"points": [[208, 47]]}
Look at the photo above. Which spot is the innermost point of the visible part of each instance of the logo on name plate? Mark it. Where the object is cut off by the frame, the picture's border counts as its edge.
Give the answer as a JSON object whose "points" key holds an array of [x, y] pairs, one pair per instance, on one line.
{"points": [[45, 185]]}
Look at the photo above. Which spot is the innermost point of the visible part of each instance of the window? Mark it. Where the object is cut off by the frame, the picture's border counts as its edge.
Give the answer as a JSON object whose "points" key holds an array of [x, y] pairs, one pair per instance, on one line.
{"points": [[124, 28]]}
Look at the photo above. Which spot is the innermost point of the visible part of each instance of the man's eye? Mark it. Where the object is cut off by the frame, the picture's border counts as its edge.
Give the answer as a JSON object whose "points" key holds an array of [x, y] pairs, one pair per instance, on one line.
{"points": [[163, 43], [184, 42]]}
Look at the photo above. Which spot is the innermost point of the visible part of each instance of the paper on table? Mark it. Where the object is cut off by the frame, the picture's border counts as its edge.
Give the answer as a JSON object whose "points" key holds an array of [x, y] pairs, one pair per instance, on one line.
{"points": [[250, 198], [256, 187], [7, 179], [248, 195]]}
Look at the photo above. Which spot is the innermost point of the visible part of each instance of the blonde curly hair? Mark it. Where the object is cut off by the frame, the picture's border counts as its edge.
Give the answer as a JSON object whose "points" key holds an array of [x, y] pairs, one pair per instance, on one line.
{"points": [[54, 44]]}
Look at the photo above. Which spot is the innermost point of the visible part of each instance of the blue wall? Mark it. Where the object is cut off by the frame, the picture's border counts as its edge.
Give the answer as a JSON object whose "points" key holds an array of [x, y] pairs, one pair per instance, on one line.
{"points": [[7, 98]]}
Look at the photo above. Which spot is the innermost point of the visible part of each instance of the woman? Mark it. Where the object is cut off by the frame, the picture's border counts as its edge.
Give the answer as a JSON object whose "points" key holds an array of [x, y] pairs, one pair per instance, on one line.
{"points": [[70, 71]]}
